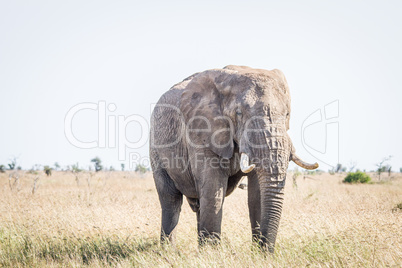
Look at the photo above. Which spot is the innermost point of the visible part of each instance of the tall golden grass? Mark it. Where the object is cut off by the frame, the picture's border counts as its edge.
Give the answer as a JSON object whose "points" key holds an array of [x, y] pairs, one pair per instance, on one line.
{"points": [[113, 218]]}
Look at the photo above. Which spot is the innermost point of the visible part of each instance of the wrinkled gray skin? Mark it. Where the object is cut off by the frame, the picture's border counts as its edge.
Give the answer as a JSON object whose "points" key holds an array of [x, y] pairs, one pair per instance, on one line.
{"points": [[204, 165]]}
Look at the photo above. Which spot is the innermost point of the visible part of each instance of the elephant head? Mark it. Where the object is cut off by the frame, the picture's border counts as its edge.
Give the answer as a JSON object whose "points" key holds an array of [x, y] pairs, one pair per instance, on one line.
{"points": [[249, 109]]}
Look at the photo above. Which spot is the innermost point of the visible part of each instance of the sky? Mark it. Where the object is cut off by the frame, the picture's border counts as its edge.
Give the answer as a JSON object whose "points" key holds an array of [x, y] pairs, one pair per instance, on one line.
{"points": [[69, 69]]}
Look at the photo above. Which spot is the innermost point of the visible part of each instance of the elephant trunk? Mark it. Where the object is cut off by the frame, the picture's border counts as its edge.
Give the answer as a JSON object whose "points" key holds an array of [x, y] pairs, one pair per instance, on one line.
{"points": [[272, 177], [271, 155]]}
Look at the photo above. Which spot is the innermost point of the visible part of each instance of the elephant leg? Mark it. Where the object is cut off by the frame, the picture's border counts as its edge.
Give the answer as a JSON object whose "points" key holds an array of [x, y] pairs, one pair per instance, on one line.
{"points": [[254, 205], [171, 201], [195, 206], [210, 214]]}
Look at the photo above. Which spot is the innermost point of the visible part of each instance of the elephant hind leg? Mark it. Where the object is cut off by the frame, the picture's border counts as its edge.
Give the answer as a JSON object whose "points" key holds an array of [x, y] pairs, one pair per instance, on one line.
{"points": [[171, 201], [195, 206]]}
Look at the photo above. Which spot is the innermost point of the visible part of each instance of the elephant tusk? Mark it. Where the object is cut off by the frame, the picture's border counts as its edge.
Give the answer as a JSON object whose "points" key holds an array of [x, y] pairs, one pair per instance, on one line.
{"points": [[303, 164], [244, 164]]}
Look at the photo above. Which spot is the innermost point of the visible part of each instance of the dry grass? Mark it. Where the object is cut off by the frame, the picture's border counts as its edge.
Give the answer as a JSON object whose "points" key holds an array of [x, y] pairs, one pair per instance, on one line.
{"points": [[114, 219]]}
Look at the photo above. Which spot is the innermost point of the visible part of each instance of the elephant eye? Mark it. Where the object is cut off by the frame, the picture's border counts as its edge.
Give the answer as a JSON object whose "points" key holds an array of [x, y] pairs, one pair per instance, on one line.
{"points": [[238, 112]]}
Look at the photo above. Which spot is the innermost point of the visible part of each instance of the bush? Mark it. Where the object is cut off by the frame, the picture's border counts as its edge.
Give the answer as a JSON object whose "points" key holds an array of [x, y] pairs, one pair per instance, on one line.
{"points": [[75, 168], [358, 176], [32, 171], [141, 169]]}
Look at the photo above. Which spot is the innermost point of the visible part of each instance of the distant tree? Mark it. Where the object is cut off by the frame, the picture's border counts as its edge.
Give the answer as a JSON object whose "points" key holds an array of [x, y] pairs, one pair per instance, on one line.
{"points": [[56, 166], [381, 168], [111, 168], [400, 169], [48, 170], [75, 168], [352, 165], [11, 166], [338, 168], [122, 166], [388, 169], [19, 168], [3, 169], [343, 169], [98, 164], [141, 169], [36, 167]]}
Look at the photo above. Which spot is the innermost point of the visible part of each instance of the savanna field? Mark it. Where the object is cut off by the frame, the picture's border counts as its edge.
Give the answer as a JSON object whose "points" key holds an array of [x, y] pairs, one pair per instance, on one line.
{"points": [[113, 219]]}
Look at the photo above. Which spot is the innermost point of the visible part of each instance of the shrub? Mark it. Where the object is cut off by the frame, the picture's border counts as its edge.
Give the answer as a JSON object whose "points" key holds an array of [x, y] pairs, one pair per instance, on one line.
{"points": [[2, 169], [75, 168], [311, 172], [357, 177], [32, 171], [141, 169]]}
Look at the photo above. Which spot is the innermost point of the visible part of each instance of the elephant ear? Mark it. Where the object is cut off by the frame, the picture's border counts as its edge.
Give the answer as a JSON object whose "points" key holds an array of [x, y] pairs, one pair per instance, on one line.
{"points": [[202, 103]]}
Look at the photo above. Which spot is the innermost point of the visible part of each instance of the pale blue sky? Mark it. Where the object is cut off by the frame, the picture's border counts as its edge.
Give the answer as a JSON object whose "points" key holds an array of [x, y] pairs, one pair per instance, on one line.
{"points": [[54, 55]]}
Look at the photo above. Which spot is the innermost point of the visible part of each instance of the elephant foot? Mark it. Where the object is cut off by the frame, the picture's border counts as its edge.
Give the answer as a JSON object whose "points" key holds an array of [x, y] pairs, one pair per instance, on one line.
{"points": [[266, 247], [206, 238]]}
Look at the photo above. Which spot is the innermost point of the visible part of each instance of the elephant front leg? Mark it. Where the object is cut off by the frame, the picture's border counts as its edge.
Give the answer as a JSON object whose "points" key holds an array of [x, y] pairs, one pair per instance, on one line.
{"points": [[170, 219], [195, 206], [210, 214], [254, 205], [171, 201]]}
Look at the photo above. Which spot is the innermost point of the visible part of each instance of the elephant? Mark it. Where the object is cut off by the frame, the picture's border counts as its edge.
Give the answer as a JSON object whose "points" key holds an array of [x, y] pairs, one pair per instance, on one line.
{"points": [[209, 131]]}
